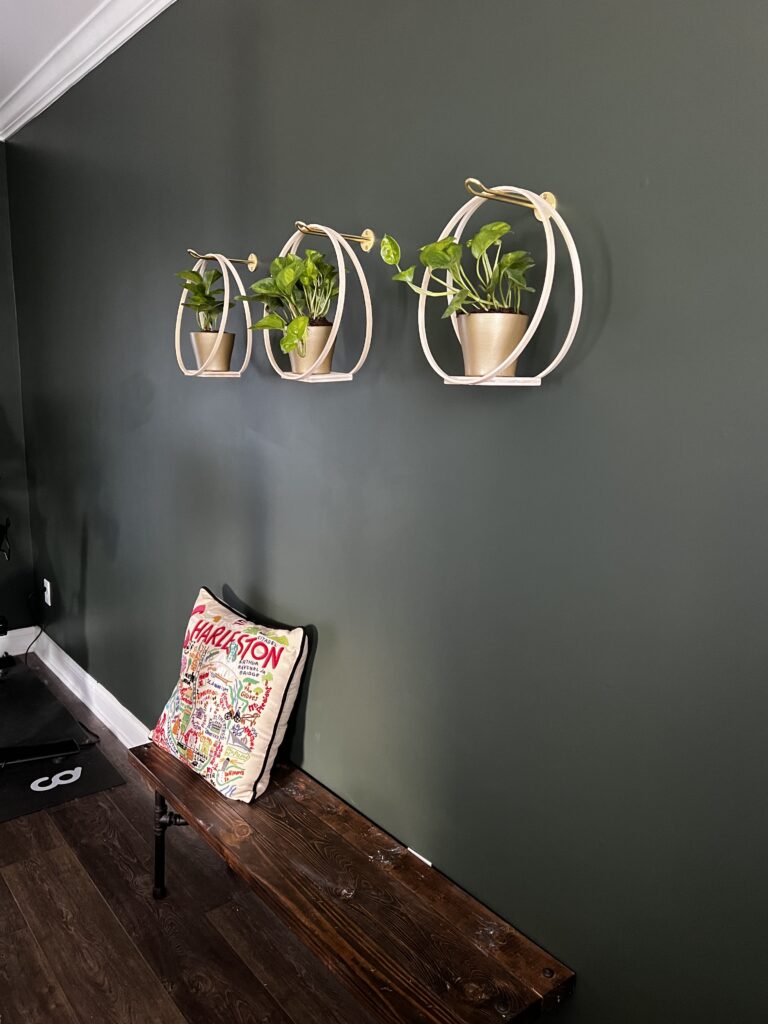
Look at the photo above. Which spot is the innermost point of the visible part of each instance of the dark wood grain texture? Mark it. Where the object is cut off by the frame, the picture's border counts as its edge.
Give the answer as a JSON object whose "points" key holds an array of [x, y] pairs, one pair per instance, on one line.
{"points": [[98, 968], [26, 837], [29, 994], [11, 917], [207, 980], [308, 995], [385, 935], [547, 976]]}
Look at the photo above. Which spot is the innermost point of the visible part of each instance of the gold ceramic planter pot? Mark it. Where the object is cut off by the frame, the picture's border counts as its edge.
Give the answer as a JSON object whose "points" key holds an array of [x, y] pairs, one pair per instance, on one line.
{"points": [[202, 344], [317, 336], [487, 339]]}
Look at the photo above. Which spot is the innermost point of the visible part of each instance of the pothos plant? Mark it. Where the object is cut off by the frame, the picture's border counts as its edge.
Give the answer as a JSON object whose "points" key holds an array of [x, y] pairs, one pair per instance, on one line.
{"points": [[496, 283], [203, 297], [298, 292]]}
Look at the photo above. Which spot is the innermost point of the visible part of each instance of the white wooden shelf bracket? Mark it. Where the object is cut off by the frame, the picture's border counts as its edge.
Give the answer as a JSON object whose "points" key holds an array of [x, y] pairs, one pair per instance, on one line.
{"points": [[545, 211], [226, 266], [341, 247]]}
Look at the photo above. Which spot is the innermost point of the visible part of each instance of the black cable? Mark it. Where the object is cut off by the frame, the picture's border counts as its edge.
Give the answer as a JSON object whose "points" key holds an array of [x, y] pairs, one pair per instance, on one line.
{"points": [[5, 544], [32, 641], [33, 599]]}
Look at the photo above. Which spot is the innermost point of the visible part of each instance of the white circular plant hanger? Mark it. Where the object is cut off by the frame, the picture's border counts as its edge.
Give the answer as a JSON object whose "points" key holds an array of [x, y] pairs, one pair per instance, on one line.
{"points": [[203, 371], [340, 246], [455, 227]]}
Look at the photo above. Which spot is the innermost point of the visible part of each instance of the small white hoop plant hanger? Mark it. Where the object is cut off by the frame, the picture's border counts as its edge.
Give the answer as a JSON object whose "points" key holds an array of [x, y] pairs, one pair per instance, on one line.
{"points": [[340, 246], [545, 212], [226, 269]]}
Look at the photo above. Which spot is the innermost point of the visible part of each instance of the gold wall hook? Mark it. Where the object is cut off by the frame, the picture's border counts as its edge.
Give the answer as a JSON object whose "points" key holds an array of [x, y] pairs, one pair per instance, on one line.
{"points": [[365, 239], [476, 188], [252, 261]]}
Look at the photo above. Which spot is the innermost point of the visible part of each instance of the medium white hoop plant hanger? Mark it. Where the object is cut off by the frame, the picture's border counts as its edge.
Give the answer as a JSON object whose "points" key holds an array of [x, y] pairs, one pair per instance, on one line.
{"points": [[227, 268], [544, 209], [340, 243]]}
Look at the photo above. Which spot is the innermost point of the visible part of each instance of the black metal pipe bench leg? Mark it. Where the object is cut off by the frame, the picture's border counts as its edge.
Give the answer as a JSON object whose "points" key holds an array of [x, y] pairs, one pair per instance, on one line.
{"points": [[163, 821]]}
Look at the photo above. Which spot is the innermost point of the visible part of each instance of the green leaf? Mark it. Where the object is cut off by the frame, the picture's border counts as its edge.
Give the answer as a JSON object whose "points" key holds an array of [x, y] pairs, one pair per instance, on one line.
{"points": [[456, 303], [287, 277], [486, 236], [271, 322], [210, 277], [390, 250], [316, 264], [191, 276], [266, 288], [295, 333], [442, 255], [405, 275], [298, 327], [494, 280], [310, 272], [519, 260], [281, 262]]}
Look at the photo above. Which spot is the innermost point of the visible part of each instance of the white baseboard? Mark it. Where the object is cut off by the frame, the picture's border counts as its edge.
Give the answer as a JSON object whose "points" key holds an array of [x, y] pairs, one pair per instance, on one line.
{"points": [[17, 640], [123, 723]]}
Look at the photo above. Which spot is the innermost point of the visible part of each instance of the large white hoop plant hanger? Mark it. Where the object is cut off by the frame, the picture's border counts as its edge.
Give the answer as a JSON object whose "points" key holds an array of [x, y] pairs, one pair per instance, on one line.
{"points": [[227, 268], [340, 246], [545, 212]]}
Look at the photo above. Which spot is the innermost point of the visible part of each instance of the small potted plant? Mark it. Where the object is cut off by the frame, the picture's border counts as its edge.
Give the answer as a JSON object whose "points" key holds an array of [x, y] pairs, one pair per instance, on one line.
{"points": [[297, 295], [205, 299], [487, 298]]}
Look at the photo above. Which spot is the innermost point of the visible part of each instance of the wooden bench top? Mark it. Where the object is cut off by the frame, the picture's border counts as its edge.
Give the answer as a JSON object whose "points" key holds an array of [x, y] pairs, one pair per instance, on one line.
{"points": [[411, 944]]}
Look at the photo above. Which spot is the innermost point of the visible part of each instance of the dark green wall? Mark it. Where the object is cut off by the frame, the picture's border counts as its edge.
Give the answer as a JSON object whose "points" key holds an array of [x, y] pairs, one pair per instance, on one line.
{"points": [[542, 657], [16, 575]]}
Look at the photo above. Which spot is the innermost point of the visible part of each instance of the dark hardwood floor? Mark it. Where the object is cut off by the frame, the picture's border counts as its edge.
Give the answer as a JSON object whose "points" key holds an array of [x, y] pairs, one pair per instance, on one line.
{"points": [[83, 942]]}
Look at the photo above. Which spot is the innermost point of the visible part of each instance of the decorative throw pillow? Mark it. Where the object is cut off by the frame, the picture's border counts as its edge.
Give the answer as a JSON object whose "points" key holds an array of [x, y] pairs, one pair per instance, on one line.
{"points": [[230, 708]]}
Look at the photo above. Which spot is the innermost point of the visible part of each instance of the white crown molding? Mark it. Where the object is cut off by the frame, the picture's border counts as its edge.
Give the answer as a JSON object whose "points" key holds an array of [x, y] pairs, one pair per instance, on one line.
{"points": [[123, 723], [92, 41]]}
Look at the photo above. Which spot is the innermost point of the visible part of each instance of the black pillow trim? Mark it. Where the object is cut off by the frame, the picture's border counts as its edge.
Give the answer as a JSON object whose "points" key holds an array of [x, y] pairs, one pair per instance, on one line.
{"points": [[280, 712], [287, 685]]}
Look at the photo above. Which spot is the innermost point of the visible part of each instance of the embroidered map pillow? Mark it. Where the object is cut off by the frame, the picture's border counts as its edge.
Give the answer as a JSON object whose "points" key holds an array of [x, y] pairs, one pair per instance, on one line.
{"points": [[230, 708]]}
